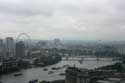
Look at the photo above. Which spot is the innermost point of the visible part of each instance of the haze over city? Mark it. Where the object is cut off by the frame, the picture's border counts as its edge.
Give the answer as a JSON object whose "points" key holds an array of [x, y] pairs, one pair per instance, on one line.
{"points": [[62, 41], [65, 19]]}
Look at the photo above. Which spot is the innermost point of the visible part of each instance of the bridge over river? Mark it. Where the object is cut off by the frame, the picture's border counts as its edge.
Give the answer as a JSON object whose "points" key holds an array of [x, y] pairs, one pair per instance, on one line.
{"points": [[89, 58]]}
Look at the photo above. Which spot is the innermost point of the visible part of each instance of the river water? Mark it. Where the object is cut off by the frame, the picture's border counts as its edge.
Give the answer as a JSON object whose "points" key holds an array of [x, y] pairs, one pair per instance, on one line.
{"points": [[38, 73]]}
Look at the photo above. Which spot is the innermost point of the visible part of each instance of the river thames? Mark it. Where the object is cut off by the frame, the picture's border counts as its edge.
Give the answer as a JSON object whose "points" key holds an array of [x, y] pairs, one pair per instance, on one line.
{"points": [[41, 75]]}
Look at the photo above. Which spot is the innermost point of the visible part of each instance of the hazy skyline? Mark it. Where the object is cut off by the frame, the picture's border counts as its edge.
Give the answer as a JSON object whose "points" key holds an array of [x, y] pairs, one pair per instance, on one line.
{"points": [[65, 19]]}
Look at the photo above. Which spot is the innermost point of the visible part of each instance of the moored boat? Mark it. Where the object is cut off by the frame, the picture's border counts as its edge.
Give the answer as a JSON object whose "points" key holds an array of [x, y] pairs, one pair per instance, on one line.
{"points": [[54, 68], [18, 74], [66, 66], [33, 81], [62, 74], [45, 69], [50, 72]]}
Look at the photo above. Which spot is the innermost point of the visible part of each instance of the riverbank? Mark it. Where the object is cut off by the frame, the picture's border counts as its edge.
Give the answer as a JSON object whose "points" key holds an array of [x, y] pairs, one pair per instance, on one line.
{"points": [[47, 61], [7, 68], [40, 74], [8, 71]]}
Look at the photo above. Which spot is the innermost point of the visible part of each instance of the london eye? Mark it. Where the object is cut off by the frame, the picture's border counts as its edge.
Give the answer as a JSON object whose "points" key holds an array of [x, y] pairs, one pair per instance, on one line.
{"points": [[24, 37]]}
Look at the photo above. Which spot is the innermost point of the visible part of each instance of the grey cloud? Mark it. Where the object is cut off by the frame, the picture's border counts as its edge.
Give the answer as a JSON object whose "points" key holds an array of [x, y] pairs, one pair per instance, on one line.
{"points": [[76, 18], [24, 10]]}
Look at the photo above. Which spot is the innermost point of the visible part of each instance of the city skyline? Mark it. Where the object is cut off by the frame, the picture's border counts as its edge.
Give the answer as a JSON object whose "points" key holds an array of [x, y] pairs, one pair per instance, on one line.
{"points": [[72, 19]]}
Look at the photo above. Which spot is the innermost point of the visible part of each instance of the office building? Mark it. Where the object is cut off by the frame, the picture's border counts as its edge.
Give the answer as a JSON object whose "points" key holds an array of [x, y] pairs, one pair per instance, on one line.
{"points": [[1, 50], [75, 75], [20, 49], [10, 47]]}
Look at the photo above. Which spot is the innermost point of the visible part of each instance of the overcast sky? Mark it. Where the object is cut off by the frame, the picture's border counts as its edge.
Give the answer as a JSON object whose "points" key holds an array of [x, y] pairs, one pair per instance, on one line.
{"points": [[65, 19]]}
